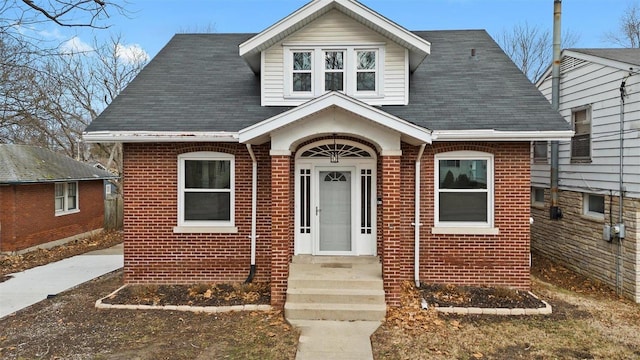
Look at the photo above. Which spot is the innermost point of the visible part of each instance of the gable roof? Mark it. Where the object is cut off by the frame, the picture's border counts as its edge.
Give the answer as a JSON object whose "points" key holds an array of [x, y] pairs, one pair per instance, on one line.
{"points": [[625, 59], [29, 164], [199, 89], [630, 57], [250, 50]]}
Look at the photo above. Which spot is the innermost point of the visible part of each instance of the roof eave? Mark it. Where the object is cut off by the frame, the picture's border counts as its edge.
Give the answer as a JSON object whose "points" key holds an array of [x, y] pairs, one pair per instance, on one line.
{"points": [[42, 181], [496, 135], [158, 136]]}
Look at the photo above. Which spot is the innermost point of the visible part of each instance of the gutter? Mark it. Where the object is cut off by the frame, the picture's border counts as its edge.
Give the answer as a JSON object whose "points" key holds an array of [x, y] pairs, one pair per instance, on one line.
{"points": [[496, 135], [158, 136], [417, 224], [254, 210]]}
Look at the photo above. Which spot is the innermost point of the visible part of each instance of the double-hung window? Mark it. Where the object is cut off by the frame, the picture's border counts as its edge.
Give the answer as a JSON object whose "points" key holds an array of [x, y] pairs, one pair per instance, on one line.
{"points": [[334, 70], [206, 190], [366, 70], [464, 191], [581, 141], [66, 198], [302, 68]]}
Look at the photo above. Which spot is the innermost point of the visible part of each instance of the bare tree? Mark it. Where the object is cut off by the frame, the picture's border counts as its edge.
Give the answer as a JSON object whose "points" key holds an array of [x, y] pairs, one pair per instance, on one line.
{"points": [[530, 47], [50, 102], [67, 13], [628, 34]]}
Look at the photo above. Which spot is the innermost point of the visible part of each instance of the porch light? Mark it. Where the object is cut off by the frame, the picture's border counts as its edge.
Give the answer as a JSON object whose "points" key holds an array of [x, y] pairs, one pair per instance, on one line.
{"points": [[334, 153]]}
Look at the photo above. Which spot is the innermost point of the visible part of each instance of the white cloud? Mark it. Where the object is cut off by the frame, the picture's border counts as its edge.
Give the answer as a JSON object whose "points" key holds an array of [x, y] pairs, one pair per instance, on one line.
{"points": [[75, 45], [130, 54]]}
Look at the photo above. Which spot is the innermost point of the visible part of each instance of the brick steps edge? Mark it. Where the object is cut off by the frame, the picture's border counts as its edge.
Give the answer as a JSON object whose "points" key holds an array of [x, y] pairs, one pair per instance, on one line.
{"points": [[546, 310], [198, 309]]}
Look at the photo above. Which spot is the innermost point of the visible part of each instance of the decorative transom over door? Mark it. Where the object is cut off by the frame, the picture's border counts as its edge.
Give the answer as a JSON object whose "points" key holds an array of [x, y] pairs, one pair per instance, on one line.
{"points": [[334, 211]]}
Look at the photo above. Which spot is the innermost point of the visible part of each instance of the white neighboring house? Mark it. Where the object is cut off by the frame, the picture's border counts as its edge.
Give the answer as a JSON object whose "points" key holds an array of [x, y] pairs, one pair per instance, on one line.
{"points": [[600, 97]]}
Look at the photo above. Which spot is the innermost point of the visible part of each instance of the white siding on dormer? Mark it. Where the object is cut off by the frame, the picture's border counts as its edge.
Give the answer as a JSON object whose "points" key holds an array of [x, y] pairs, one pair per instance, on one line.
{"points": [[598, 86], [335, 29]]}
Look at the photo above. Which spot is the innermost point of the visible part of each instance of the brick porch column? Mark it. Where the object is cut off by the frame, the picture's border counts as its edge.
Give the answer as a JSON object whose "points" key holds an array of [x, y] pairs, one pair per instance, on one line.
{"points": [[391, 251], [280, 227]]}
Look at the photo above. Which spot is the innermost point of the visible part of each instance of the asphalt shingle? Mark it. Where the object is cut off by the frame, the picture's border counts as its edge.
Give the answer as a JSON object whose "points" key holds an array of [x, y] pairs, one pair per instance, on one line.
{"points": [[198, 82], [30, 164]]}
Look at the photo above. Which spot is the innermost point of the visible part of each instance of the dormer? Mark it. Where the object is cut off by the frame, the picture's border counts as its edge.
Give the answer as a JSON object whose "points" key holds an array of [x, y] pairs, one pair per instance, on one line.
{"points": [[334, 45]]}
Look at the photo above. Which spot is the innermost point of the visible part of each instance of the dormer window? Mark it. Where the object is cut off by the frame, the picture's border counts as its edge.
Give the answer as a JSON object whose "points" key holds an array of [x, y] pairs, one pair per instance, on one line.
{"points": [[366, 70], [334, 71], [302, 72], [355, 71]]}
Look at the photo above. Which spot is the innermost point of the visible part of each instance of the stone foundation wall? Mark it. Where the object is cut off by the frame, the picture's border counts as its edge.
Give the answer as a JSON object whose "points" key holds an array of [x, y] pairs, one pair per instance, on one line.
{"points": [[576, 241]]}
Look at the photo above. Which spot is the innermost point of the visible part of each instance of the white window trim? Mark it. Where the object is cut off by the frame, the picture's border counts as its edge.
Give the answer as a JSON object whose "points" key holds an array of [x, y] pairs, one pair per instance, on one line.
{"points": [[65, 199], [365, 93], [344, 71], [318, 70], [465, 228], [226, 227], [585, 207]]}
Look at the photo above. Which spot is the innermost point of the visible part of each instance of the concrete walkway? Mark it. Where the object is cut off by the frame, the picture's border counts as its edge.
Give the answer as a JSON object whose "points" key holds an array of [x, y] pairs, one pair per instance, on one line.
{"points": [[31, 286], [340, 340]]}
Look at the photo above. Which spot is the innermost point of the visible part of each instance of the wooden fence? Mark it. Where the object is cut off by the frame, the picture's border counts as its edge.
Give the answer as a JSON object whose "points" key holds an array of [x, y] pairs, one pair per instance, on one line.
{"points": [[113, 213]]}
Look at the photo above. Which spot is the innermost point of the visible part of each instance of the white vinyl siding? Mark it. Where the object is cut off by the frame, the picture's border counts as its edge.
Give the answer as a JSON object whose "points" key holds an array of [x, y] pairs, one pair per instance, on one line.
{"points": [[598, 87], [335, 30]]}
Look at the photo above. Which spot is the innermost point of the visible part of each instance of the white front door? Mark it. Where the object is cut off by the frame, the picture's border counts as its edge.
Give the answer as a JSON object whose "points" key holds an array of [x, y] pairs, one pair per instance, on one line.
{"points": [[334, 211]]}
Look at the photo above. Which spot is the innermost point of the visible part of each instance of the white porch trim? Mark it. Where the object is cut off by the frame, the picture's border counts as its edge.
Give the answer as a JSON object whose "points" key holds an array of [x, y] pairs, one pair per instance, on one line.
{"points": [[407, 132]]}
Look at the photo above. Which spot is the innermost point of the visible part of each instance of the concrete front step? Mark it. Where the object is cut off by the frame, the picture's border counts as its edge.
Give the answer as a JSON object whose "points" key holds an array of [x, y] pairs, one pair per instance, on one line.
{"points": [[335, 288], [310, 259], [335, 312], [335, 296]]}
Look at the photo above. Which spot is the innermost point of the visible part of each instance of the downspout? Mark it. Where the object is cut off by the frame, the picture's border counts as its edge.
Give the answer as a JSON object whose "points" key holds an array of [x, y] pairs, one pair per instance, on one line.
{"points": [[554, 211], [417, 224], [254, 209]]}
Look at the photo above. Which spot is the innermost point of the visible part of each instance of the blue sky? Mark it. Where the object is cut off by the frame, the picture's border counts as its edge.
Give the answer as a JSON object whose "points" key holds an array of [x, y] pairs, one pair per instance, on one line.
{"points": [[151, 23]]}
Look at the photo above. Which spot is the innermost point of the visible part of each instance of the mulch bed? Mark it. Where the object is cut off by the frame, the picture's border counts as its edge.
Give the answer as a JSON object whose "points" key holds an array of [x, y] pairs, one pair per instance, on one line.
{"points": [[193, 295], [480, 297]]}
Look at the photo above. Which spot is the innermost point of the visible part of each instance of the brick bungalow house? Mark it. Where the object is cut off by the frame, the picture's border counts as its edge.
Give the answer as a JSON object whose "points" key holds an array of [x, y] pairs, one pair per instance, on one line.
{"points": [[334, 132], [47, 199]]}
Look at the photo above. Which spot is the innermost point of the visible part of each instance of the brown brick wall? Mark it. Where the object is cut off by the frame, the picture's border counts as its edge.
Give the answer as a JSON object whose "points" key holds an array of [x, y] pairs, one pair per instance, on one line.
{"points": [[576, 241], [501, 260], [28, 214], [281, 226], [155, 254]]}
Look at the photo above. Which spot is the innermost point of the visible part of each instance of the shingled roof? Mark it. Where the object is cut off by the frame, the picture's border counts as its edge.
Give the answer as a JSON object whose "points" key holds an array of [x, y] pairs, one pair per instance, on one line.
{"points": [[30, 164], [199, 83]]}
